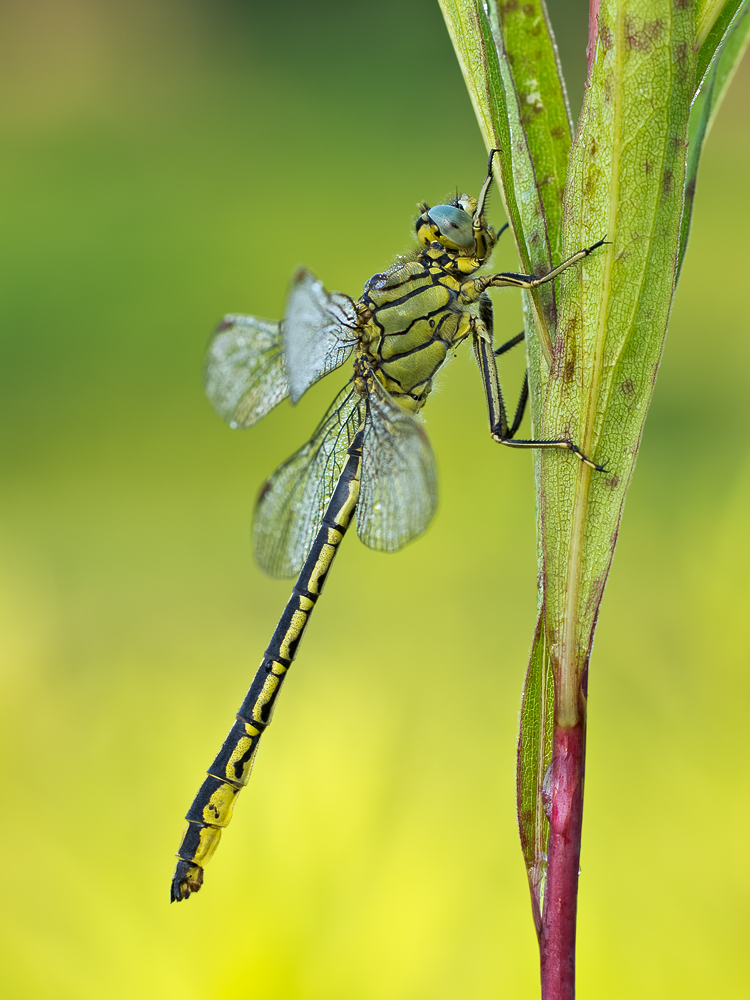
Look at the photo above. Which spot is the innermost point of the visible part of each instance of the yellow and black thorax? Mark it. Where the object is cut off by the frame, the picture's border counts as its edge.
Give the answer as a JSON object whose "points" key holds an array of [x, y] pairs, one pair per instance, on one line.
{"points": [[411, 316]]}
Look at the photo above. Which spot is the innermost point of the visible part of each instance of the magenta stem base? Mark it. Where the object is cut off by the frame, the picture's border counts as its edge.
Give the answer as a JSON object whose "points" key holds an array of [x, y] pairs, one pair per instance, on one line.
{"points": [[557, 941]]}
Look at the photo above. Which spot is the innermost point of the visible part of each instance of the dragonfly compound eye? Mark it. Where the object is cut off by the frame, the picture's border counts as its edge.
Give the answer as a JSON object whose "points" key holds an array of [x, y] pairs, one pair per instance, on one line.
{"points": [[453, 225]]}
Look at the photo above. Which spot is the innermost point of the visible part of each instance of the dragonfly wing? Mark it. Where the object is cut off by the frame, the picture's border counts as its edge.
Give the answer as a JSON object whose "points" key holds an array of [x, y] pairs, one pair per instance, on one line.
{"points": [[398, 495], [320, 331], [244, 372], [292, 503]]}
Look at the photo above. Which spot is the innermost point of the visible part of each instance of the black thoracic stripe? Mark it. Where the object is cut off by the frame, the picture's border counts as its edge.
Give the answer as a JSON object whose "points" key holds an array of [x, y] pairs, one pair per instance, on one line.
{"points": [[413, 391], [402, 333], [383, 286], [417, 385], [416, 350], [212, 807], [410, 295], [417, 319], [449, 344]]}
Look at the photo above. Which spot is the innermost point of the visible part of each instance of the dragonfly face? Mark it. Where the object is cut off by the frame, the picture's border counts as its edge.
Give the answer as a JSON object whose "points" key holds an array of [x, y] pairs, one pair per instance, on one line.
{"points": [[368, 456], [464, 237]]}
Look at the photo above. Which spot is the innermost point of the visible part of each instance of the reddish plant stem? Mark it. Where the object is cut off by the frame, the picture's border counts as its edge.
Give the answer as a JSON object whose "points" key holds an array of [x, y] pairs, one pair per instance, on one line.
{"points": [[593, 32], [564, 803]]}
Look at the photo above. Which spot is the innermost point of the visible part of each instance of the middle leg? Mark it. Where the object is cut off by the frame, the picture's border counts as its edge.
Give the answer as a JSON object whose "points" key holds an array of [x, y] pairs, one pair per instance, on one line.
{"points": [[501, 431]]}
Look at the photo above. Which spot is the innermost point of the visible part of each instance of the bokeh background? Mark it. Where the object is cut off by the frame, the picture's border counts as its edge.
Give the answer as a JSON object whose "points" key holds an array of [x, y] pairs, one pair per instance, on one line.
{"points": [[163, 162]]}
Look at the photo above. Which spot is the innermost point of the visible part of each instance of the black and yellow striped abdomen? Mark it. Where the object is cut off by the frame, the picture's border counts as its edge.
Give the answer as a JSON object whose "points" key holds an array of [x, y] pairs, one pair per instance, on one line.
{"points": [[412, 319], [212, 807]]}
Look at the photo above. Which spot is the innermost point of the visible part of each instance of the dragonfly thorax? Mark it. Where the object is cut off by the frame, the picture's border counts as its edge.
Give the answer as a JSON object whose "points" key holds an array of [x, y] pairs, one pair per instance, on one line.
{"points": [[411, 317]]}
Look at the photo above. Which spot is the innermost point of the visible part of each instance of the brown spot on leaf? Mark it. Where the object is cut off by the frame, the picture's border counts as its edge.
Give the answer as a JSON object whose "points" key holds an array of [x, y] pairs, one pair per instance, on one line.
{"points": [[627, 386], [570, 328], [557, 132], [612, 482], [569, 370], [642, 39], [509, 6], [529, 9], [667, 182], [647, 167], [605, 35]]}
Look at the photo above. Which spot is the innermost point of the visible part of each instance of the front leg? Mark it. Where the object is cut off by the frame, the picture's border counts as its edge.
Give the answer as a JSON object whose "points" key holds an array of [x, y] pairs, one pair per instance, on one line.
{"points": [[474, 288]]}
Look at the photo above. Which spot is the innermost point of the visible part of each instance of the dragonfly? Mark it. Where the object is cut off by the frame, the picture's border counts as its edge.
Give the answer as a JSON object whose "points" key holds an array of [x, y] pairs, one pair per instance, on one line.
{"points": [[369, 455]]}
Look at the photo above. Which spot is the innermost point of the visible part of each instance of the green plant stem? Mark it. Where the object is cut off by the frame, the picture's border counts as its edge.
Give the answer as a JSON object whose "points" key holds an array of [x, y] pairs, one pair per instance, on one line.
{"points": [[593, 349]]}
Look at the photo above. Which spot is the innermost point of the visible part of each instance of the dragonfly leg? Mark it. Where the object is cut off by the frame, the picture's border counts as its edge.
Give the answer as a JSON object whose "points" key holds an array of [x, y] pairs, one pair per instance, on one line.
{"points": [[502, 432], [486, 317], [518, 339], [474, 288]]}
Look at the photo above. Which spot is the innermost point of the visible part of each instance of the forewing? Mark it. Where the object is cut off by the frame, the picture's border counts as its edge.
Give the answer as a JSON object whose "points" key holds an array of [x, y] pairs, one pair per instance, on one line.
{"points": [[398, 495], [320, 331], [244, 372], [292, 503]]}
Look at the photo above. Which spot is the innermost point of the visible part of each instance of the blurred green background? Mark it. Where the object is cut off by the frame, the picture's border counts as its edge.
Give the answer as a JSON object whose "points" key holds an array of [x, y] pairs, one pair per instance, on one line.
{"points": [[164, 162]]}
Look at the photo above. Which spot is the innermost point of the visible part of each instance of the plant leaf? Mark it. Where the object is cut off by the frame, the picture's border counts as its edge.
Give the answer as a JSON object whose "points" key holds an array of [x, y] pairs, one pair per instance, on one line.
{"points": [[532, 56], [713, 21], [533, 758], [486, 68], [518, 65], [725, 57], [626, 183]]}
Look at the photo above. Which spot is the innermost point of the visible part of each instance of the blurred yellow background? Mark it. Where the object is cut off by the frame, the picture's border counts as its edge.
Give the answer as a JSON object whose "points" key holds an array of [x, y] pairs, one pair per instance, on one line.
{"points": [[164, 162]]}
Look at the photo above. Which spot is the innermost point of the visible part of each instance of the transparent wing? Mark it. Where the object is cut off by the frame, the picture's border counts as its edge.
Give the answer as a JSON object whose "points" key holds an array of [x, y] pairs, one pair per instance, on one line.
{"points": [[320, 331], [398, 495], [244, 372], [292, 503]]}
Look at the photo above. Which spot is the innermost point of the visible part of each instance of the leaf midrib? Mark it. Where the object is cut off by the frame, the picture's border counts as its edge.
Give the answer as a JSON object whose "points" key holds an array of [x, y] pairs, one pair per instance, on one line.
{"points": [[567, 707]]}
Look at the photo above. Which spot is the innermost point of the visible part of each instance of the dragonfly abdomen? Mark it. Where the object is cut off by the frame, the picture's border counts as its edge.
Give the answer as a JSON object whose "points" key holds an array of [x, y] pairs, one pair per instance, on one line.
{"points": [[212, 807]]}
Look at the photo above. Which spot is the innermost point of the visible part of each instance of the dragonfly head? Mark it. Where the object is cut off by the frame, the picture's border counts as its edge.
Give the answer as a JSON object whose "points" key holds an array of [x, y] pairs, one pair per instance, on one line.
{"points": [[456, 228]]}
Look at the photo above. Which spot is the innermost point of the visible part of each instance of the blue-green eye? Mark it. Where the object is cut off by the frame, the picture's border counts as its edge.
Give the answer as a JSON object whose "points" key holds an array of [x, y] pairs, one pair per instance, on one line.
{"points": [[453, 223]]}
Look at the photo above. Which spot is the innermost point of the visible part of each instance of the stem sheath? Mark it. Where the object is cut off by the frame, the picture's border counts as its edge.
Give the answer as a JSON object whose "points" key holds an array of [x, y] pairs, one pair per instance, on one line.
{"points": [[564, 806]]}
